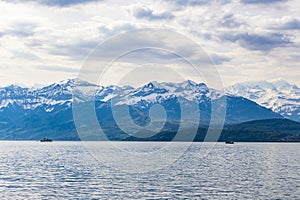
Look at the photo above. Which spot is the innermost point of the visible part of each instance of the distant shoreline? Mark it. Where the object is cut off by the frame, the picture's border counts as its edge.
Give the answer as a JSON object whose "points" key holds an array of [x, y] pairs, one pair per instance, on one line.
{"points": [[131, 141]]}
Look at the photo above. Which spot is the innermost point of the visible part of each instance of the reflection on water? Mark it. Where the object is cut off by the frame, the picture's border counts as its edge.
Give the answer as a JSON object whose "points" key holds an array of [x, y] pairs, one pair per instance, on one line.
{"points": [[33, 170]]}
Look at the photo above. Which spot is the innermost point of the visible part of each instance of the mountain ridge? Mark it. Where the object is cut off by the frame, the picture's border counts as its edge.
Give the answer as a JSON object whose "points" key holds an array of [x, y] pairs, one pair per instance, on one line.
{"points": [[279, 95], [33, 113]]}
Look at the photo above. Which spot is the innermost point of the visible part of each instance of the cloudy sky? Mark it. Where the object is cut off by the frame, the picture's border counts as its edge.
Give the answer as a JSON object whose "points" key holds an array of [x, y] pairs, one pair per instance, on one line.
{"points": [[45, 41]]}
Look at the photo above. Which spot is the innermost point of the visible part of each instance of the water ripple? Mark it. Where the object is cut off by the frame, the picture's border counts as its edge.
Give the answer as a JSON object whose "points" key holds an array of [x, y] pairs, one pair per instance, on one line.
{"points": [[64, 170]]}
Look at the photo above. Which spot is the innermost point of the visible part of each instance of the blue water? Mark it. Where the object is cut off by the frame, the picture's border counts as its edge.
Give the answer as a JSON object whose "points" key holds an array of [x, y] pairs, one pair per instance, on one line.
{"points": [[65, 170]]}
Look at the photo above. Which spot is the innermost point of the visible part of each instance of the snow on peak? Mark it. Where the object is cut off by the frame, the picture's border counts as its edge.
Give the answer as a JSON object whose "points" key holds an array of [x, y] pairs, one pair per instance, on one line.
{"points": [[15, 87], [188, 83], [279, 95], [150, 86], [156, 92]]}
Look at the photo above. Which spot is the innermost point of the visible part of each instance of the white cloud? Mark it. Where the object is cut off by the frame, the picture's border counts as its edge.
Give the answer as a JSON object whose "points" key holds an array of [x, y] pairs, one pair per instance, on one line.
{"points": [[43, 42]]}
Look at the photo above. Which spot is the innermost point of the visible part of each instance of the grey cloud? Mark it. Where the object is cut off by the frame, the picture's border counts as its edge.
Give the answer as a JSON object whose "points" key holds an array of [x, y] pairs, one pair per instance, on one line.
{"points": [[20, 29], [57, 3], [265, 42], [147, 13], [262, 1], [77, 50], [291, 25], [25, 55], [152, 46], [218, 60], [229, 21]]}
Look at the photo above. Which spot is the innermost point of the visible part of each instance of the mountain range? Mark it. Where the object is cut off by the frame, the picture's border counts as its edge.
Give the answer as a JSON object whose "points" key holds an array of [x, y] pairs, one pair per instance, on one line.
{"points": [[278, 95], [47, 112]]}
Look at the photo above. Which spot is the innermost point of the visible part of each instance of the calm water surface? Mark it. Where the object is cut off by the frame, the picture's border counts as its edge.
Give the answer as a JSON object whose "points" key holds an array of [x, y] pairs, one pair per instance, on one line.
{"points": [[65, 170]]}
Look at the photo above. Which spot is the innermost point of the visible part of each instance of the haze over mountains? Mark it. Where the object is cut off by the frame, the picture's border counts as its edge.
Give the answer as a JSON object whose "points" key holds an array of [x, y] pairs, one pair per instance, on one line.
{"points": [[47, 112]]}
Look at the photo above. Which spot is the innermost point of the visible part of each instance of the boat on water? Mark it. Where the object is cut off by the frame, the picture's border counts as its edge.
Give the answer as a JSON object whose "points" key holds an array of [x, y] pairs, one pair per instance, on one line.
{"points": [[229, 142], [46, 140]]}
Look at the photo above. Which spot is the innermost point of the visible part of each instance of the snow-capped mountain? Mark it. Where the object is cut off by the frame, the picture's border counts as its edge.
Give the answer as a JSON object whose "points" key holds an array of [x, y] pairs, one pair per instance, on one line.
{"points": [[48, 97], [48, 110], [279, 95], [155, 92], [62, 94]]}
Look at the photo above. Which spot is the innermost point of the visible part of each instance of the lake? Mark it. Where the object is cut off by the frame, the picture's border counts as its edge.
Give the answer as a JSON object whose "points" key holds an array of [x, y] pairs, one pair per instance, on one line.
{"points": [[66, 170]]}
